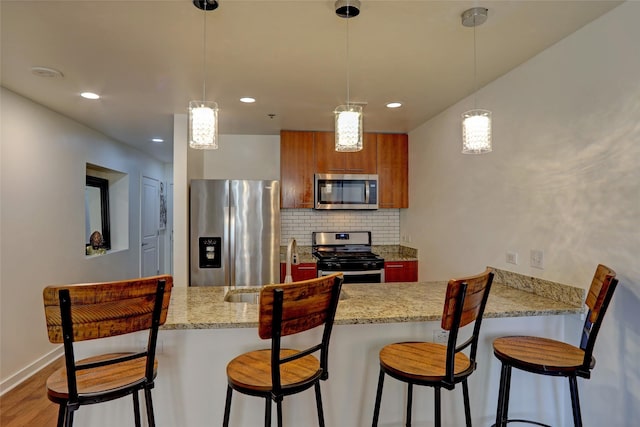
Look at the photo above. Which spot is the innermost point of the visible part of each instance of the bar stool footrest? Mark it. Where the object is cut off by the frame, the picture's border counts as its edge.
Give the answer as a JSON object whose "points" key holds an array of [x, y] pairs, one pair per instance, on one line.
{"points": [[523, 421]]}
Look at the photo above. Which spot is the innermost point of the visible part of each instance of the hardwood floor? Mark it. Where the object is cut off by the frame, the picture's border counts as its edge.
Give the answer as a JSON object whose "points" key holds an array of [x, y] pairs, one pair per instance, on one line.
{"points": [[28, 405]]}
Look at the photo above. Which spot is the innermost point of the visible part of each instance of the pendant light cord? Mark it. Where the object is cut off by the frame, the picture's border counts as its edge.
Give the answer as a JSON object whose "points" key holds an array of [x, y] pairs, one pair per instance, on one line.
{"points": [[204, 57], [475, 66], [348, 62]]}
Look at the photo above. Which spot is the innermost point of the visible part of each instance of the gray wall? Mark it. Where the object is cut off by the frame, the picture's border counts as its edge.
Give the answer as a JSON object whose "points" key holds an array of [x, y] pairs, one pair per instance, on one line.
{"points": [[42, 221], [563, 178]]}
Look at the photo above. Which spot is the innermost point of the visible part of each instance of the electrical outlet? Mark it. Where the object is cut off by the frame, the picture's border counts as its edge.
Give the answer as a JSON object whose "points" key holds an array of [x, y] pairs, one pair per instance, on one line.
{"points": [[512, 257], [537, 259], [440, 336]]}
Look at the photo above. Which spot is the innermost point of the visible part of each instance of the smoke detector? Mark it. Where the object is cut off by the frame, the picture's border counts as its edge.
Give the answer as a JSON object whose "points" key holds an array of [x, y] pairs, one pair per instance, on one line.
{"points": [[46, 72]]}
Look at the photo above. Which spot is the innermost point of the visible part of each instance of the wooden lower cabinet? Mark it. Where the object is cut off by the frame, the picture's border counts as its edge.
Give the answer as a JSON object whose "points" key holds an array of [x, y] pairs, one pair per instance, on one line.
{"points": [[401, 271], [302, 271]]}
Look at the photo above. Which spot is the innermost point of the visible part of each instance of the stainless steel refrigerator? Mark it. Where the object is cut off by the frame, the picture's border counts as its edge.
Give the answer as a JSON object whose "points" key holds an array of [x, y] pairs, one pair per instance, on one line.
{"points": [[235, 232]]}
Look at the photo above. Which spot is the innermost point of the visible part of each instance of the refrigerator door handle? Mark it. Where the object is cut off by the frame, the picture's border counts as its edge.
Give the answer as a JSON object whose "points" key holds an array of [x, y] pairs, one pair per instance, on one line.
{"points": [[231, 218]]}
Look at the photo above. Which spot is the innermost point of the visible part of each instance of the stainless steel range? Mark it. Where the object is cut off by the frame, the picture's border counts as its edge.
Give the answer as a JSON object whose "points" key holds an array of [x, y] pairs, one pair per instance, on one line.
{"points": [[349, 253]]}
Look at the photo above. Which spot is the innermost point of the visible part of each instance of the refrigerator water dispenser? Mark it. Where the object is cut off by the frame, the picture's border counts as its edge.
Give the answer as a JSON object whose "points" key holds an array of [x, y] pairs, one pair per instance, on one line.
{"points": [[210, 252]]}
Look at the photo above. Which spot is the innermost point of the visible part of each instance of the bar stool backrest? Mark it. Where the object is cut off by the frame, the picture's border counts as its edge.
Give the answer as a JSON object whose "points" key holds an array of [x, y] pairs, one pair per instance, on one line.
{"points": [[465, 301], [98, 310], [598, 298], [291, 308]]}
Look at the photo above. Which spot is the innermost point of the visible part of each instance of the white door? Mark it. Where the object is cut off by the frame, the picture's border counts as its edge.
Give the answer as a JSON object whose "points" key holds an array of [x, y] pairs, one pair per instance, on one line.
{"points": [[150, 220]]}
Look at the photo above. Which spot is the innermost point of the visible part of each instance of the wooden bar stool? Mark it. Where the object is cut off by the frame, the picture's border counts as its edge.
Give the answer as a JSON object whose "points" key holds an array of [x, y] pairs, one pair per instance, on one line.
{"points": [[287, 309], [555, 358], [99, 310], [437, 365]]}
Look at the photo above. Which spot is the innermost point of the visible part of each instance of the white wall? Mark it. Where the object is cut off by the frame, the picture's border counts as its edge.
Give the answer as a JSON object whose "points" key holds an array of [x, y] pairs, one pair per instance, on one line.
{"points": [[244, 157], [42, 237], [563, 178]]}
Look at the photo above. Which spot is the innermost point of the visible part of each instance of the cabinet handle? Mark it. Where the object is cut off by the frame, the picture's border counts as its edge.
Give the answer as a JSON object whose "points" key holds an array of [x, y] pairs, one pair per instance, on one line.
{"points": [[356, 170], [306, 268], [393, 266]]}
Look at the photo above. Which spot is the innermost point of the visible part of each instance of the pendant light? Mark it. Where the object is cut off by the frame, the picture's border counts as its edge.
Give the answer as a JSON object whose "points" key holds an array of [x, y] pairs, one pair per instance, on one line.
{"points": [[476, 123], [348, 118], [203, 115]]}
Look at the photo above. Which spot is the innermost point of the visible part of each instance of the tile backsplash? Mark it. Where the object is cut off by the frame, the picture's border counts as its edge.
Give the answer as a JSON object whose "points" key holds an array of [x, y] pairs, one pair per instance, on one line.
{"points": [[384, 224]]}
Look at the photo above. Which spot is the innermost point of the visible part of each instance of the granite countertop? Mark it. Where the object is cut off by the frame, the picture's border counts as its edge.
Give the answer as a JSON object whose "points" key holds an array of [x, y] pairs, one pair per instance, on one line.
{"points": [[511, 296]]}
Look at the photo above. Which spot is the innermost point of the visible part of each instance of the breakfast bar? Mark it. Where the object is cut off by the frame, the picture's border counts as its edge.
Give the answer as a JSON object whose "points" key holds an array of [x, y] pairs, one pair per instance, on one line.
{"points": [[204, 332], [206, 308]]}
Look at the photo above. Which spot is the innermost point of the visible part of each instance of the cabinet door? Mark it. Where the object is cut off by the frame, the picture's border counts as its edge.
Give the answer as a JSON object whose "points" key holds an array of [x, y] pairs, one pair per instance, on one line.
{"points": [[393, 170], [401, 271], [328, 160], [303, 271], [365, 160], [296, 169]]}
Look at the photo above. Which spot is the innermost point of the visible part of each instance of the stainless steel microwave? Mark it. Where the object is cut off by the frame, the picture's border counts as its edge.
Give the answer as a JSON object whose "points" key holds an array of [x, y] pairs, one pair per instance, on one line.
{"points": [[345, 191]]}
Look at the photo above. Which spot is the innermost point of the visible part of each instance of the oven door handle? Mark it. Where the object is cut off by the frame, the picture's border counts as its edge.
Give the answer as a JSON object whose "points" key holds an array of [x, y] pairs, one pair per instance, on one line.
{"points": [[351, 273]]}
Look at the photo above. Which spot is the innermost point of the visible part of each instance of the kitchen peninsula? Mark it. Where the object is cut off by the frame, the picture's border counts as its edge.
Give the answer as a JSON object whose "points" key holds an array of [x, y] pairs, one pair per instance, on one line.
{"points": [[203, 333], [512, 295]]}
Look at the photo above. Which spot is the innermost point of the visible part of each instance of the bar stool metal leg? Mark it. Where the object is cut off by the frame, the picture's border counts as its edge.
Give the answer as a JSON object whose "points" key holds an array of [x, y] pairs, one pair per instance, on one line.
{"points": [[409, 402], [503, 396], [438, 417], [227, 407], [376, 409], [267, 412], [575, 401], [279, 412], [136, 408], [149, 403], [319, 405], [467, 405]]}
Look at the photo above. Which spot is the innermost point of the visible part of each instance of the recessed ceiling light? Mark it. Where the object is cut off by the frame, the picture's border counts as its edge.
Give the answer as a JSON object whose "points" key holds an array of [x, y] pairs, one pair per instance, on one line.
{"points": [[394, 105], [90, 95], [46, 72], [157, 140], [248, 100]]}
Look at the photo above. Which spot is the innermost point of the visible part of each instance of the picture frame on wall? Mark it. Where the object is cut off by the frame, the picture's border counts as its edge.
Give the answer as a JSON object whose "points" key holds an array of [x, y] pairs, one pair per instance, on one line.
{"points": [[163, 207]]}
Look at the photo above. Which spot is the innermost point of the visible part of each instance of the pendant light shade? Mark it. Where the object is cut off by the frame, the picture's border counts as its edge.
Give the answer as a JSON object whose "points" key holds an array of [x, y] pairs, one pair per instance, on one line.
{"points": [[476, 132], [348, 117], [476, 123], [203, 115], [203, 125], [348, 128]]}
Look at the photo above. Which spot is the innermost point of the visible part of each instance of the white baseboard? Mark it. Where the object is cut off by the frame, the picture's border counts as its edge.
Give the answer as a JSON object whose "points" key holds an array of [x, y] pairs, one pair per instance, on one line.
{"points": [[26, 372]]}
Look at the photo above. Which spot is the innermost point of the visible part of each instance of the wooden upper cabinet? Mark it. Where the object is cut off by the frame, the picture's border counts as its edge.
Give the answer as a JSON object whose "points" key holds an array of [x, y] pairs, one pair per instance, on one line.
{"points": [[393, 170], [296, 169], [328, 160]]}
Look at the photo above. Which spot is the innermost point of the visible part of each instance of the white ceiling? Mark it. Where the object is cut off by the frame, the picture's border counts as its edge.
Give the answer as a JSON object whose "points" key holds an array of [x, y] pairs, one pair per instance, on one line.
{"points": [[145, 58]]}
